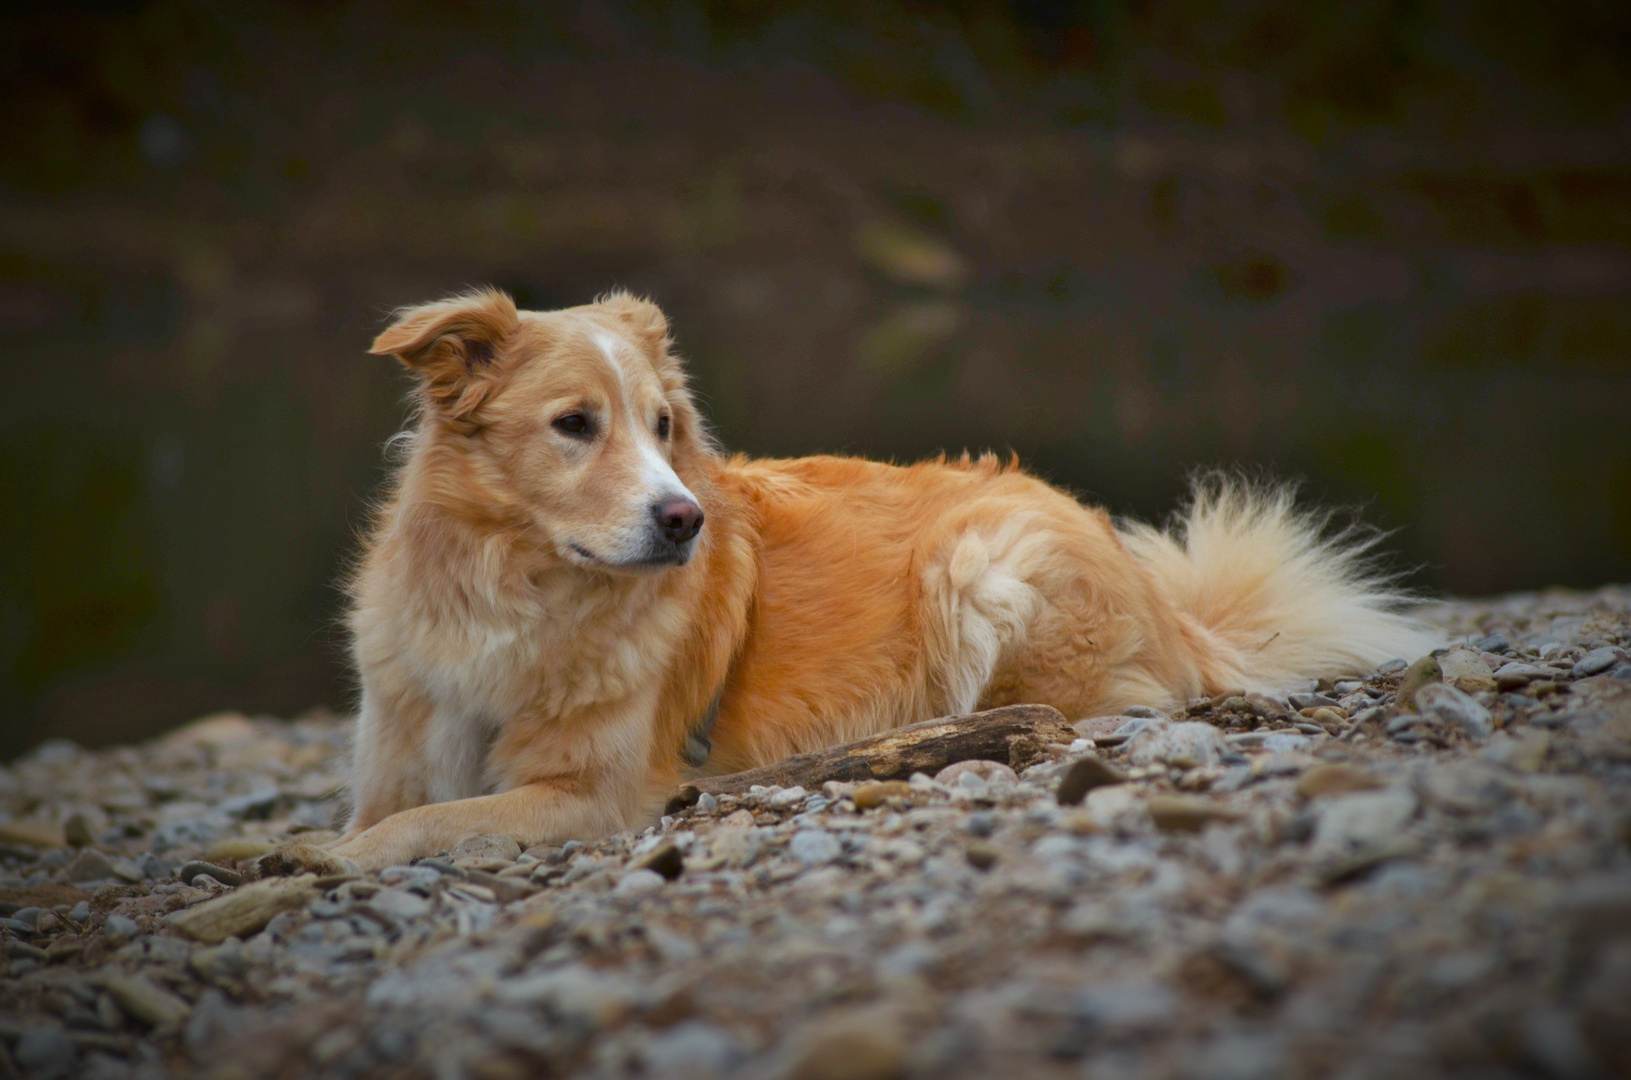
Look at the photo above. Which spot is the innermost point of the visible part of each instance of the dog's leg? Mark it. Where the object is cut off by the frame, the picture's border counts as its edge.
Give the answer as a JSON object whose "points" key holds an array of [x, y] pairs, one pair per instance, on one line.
{"points": [[388, 764], [547, 811], [980, 600]]}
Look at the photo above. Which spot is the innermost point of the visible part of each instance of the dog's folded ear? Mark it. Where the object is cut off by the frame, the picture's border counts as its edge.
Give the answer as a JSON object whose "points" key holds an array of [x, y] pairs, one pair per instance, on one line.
{"points": [[452, 345], [645, 319]]}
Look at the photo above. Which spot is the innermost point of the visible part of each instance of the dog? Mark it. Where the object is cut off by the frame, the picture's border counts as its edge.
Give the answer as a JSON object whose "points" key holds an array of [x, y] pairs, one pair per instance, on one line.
{"points": [[571, 597]]}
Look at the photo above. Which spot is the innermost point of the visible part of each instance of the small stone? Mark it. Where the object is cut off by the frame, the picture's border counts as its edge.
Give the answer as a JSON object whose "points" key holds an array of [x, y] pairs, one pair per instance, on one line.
{"points": [[1330, 720], [126, 870], [1390, 666], [1514, 675], [32, 832], [639, 883], [1423, 672], [1329, 780], [1286, 742], [989, 772], [46, 1052], [192, 870], [1595, 662], [145, 1001], [707, 803], [1186, 744], [787, 797], [1527, 754], [665, 859], [1454, 707], [400, 904], [1083, 776], [1466, 671], [814, 847], [857, 1044], [121, 926], [874, 792], [981, 824], [1363, 819], [245, 911], [88, 865], [1311, 701], [490, 846], [691, 1050], [421, 878], [77, 830], [982, 855], [1178, 813], [1495, 643]]}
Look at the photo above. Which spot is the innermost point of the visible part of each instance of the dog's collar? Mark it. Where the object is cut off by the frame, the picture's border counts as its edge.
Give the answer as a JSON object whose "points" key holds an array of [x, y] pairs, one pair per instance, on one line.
{"points": [[697, 741]]}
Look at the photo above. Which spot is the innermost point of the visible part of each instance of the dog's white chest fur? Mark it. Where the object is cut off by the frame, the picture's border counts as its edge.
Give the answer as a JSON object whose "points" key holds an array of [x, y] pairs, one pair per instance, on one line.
{"points": [[559, 650]]}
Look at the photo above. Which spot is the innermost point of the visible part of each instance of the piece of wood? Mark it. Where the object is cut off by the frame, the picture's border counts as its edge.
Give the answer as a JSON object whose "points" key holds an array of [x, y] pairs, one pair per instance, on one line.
{"points": [[928, 747]]}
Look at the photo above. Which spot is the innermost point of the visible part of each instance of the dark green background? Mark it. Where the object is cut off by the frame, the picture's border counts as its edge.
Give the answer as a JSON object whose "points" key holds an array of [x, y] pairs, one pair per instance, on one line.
{"points": [[1385, 247]]}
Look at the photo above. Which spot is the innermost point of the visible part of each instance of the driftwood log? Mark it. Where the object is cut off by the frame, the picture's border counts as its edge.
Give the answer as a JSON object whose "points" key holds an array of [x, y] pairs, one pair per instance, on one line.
{"points": [[1014, 734]]}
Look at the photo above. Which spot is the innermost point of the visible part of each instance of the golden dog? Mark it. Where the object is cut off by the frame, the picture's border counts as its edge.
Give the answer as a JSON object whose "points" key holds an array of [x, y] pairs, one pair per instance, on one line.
{"points": [[569, 579]]}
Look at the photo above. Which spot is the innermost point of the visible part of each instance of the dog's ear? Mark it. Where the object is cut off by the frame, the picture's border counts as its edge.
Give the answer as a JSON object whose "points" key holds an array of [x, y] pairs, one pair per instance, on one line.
{"points": [[452, 345], [641, 318]]}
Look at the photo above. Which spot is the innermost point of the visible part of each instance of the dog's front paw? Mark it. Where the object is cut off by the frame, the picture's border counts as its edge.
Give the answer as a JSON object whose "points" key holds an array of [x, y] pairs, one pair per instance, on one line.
{"points": [[288, 860]]}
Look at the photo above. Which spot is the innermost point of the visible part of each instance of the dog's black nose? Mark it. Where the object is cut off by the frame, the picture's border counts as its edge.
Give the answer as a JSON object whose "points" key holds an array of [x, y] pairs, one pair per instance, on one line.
{"points": [[679, 519]]}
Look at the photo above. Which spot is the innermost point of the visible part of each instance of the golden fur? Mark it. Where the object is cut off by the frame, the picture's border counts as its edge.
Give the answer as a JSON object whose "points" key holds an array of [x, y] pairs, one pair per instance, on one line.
{"points": [[527, 669]]}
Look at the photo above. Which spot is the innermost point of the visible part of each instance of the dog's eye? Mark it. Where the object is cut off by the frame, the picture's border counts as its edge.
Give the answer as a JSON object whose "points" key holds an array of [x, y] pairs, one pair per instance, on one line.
{"points": [[575, 424], [662, 427]]}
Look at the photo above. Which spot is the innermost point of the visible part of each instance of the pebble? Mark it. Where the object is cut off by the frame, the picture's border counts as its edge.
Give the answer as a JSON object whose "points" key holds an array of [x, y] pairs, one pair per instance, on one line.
{"points": [[146, 1002], [639, 882], [1324, 781], [399, 904], [1185, 745], [122, 926], [1514, 675], [420, 878], [1466, 671], [1083, 776], [875, 792], [986, 772], [1595, 662], [786, 797], [1494, 643], [665, 859], [1363, 819], [1178, 813], [46, 1051], [191, 870], [1422, 673], [854, 1044], [88, 865], [814, 847], [1454, 707], [691, 1050]]}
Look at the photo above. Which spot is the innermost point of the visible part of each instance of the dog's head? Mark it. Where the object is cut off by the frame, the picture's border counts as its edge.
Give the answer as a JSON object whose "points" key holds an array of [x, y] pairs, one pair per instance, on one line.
{"points": [[578, 420]]}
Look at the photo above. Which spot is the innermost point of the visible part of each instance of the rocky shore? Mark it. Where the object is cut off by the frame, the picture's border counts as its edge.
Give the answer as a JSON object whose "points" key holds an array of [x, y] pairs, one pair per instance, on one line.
{"points": [[1423, 870]]}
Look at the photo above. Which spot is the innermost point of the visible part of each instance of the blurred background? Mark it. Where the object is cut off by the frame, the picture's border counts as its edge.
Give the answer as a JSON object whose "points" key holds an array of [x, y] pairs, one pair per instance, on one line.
{"points": [[1384, 246]]}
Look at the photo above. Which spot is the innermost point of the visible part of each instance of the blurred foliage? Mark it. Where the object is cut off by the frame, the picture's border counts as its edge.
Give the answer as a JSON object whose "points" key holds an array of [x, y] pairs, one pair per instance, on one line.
{"points": [[1383, 245]]}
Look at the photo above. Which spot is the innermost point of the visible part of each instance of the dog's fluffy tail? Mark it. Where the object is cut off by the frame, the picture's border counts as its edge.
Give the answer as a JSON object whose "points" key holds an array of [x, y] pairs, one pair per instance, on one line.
{"points": [[1279, 595]]}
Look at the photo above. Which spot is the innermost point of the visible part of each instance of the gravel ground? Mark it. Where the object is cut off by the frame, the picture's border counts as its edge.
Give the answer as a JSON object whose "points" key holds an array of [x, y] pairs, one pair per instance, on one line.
{"points": [[1333, 885]]}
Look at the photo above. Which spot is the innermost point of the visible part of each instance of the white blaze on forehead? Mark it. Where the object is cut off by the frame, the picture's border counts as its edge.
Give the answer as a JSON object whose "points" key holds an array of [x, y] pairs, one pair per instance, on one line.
{"points": [[657, 476], [609, 349]]}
